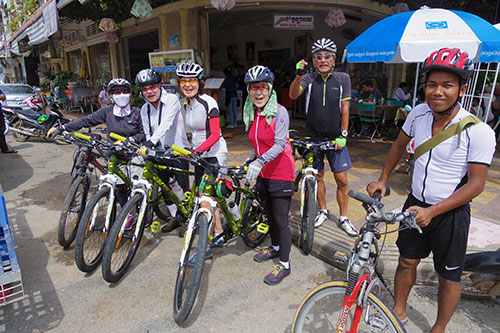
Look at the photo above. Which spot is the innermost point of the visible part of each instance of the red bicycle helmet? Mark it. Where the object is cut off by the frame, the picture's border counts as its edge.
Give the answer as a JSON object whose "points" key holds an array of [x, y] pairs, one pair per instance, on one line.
{"points": [[452, 60]]}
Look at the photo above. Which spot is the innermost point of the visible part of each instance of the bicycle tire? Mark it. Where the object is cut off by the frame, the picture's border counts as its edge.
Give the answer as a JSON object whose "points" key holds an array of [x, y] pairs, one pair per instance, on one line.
{"points": [[89, 243], [159, 207], [320, 311], [189, 274], [254, 211], [120, 249], [308, 218], [72, 211]]}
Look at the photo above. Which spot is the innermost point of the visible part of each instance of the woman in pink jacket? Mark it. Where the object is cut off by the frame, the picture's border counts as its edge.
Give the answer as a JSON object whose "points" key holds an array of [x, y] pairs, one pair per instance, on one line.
{"points": [[273, 165]]}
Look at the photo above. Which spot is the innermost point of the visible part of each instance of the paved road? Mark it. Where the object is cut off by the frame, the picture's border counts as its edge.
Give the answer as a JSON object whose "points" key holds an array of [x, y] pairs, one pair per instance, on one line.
{"points": [[233, 297]]}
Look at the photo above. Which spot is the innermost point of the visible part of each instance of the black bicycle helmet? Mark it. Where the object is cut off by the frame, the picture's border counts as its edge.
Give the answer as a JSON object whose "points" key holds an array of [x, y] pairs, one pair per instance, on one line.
{"points": [[190, 69], [118, 83], [147, 76], [259, 73]]}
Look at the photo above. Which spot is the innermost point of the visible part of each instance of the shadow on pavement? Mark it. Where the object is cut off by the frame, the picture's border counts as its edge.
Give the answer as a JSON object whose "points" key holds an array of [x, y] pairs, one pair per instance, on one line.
{"points": [[40, 309]]}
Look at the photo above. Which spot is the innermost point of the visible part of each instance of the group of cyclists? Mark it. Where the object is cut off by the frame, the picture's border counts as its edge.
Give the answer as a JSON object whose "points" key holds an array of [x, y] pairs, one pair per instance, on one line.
{"points": [[446, 178]]}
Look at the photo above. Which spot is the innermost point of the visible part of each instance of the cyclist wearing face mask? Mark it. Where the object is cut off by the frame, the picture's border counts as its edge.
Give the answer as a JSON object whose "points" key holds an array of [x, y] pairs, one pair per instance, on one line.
{"points": [[120, 118]]}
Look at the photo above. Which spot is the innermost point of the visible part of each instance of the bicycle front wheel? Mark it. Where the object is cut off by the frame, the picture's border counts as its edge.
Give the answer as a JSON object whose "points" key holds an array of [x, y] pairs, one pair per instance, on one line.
{"points": [[190, 270], [92, 232], [122, 245], [321, 309], [254, 212], [72, 210], [307, 225]]}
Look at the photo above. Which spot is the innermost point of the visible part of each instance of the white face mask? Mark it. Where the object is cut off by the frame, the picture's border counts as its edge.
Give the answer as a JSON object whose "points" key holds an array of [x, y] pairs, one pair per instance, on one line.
{"points": [[122, 100]]}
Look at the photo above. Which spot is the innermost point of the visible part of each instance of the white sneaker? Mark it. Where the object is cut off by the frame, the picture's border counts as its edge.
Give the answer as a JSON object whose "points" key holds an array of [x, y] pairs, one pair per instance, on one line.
{"points": [[321, 217], [347, 226]]}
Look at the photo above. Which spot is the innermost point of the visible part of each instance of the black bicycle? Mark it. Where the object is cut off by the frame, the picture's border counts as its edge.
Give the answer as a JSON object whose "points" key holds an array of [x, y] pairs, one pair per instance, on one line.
{"points": [[88, 157]]}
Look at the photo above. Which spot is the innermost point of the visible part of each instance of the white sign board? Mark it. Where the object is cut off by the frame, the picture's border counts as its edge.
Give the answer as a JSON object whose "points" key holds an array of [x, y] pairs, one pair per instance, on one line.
{"points": [[297, 22], [50, 18]]}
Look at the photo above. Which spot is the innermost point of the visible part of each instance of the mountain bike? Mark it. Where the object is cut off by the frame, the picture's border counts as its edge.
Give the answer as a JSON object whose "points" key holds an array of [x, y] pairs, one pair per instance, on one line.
{"points": [[122, 243], [306, 177], [329, 307], [85, 162], [251, 225], [101, 210]]}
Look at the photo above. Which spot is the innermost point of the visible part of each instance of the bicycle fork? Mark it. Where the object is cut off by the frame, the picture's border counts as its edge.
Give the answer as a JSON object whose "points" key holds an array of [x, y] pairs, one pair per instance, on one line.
{"points": [[108, 181], [194, 218], [143, 187], [308, 173]]}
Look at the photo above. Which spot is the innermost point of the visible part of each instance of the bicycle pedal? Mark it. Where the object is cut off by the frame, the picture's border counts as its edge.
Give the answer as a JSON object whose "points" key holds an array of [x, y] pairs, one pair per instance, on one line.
{"points": [[340, 257], [155, 227], [263, 228]]}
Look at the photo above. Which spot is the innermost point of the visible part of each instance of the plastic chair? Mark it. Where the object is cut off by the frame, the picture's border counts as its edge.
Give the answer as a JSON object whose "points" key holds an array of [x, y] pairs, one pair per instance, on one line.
{"points": [[367, 116]]}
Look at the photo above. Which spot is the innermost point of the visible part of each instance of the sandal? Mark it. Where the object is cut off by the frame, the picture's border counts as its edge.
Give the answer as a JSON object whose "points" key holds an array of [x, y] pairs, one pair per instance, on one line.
{"points": [[9, 151]]}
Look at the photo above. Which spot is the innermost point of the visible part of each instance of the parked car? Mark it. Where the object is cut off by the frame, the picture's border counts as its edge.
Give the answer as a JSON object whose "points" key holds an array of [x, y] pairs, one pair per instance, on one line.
{"points": [[16, 93]]}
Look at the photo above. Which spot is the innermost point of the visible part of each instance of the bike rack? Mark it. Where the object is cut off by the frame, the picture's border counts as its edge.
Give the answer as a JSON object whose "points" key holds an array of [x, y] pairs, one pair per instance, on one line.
{"points": [[11, 285]]}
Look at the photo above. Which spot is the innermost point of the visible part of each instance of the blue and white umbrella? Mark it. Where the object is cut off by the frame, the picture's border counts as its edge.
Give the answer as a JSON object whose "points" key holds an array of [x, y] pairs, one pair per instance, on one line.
{"points": [[412, 36]]}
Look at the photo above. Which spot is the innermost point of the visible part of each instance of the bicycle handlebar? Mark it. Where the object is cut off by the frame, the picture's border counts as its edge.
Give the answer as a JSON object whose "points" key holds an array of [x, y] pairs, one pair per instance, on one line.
{"points": [[117, 137], [325, 145], [407, 217], [82, 136]]}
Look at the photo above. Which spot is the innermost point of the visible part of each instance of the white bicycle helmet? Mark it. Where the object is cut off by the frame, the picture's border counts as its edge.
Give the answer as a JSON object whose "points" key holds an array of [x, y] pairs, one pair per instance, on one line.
{"points": [[147, 76], [259, 73], [324, 44], [118, 83], [190, 69]]}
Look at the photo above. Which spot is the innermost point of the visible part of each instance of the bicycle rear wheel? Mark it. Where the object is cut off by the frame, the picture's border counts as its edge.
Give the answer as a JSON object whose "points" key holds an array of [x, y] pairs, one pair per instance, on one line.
{"points": [[90, 240], [320, 312], [72, 210], [190, 270], [307, 225], [121, 246], [254, 212]]}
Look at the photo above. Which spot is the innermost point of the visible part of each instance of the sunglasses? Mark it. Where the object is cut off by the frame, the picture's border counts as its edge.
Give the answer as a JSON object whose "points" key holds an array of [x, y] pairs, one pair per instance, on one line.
{"points": [[258, 86], [323, 56], [190, 81], [148, 88]]}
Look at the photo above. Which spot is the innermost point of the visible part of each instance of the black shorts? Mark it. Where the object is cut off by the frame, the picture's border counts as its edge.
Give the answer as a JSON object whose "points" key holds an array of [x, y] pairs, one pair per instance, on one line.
{"points": [[339, 159], [274, 188], [446, 236], [200, 171]]}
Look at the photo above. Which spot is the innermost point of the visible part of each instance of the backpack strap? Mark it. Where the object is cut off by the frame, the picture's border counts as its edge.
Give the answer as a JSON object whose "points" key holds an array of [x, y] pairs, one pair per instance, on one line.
{"points": [[454, 129]]}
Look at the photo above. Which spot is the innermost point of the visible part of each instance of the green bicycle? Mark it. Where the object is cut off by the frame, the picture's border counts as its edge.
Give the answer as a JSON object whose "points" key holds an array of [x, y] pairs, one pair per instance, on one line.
{"points": [[306, 177], [123, 243], [251, 225]]}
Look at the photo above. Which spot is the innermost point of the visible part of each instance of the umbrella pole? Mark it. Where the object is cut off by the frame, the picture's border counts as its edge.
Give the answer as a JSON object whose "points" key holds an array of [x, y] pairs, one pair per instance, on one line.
{"points": [[416, 86]]}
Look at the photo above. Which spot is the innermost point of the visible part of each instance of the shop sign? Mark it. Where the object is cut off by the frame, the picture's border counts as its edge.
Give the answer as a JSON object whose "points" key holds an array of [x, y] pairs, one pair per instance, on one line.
{"points": [[299, 22], [50, 18], [167, 61]]}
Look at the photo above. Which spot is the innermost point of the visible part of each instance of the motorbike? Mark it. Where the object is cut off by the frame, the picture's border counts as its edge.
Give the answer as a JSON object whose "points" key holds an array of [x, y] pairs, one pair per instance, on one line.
{"points": [[25, 125], [481, 276]]}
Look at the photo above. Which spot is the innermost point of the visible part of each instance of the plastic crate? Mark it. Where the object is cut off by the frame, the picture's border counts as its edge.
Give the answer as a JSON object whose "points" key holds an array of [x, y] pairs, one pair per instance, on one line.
{"points": [[11, 285]]}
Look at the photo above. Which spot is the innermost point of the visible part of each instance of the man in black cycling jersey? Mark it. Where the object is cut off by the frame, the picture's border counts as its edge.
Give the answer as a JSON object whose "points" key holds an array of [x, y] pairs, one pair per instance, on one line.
{"points": [[446, 177], [327, 108]]}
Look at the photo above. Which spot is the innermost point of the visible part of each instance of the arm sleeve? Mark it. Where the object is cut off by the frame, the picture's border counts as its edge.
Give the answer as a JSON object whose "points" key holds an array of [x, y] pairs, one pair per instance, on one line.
{"points": [[171, 108], [214, 123], [409, 124], [305, 81], [97, 118], [282, 123]]}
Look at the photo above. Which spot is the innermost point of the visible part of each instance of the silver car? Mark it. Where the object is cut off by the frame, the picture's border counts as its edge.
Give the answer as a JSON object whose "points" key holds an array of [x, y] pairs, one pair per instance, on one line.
{"points": [[16, 93]]}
